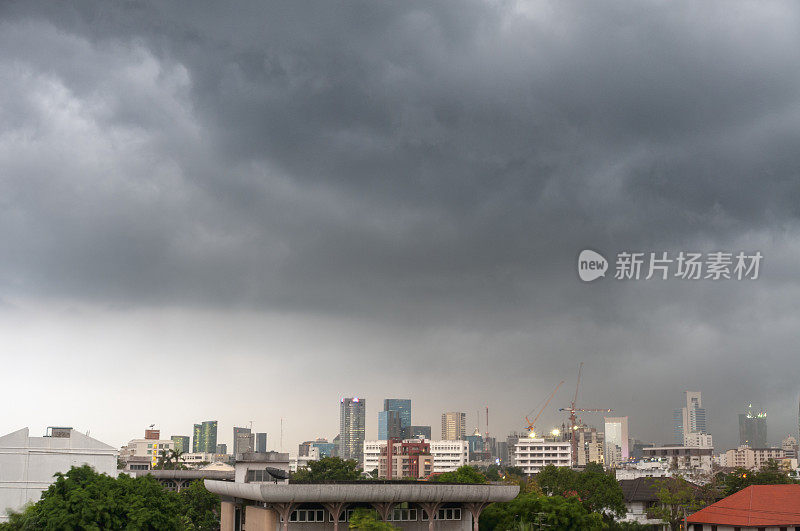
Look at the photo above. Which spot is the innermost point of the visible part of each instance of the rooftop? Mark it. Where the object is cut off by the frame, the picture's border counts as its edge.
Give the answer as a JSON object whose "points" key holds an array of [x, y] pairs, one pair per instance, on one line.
{"points": [[754, 506]]}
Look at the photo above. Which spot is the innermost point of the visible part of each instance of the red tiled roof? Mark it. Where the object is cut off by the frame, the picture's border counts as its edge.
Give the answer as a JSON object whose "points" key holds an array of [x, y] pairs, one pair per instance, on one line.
{"points": [[757, 505]]}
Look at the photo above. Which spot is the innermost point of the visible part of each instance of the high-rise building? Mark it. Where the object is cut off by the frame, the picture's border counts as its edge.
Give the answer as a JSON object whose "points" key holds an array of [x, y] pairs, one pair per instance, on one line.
{"points": [[245, 443], [182, 443], [352, 422], [205, 437], [236, 433], [454, 425], [222, 448], [616, 440], [389, 426], [403, 408], [689, 422], [753, 428], [261, 442], [420, 432]]}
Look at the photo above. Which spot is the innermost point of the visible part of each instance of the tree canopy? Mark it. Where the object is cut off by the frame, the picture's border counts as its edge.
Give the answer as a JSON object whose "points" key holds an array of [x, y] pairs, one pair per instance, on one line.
{"points": [[369, 520], [84, 499], [465, 474], [328, 469], [740, 478], [597, 489], [533, 510]]}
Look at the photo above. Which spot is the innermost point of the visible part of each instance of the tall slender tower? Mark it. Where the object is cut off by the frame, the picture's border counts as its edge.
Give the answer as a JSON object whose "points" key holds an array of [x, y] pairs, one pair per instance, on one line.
{"points": [[352, 421]]}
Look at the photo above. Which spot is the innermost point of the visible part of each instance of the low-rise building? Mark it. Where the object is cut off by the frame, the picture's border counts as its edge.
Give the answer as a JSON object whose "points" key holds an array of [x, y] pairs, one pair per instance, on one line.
{"points": [[151, 447], [28, 464], [753, 508], [752, 458], [307, 507], [687, 458], [640, 495], [533, 454], [405, 459], [448, 456]]}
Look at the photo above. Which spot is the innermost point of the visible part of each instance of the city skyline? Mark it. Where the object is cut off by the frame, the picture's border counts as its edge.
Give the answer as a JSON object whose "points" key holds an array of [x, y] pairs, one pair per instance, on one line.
{"points": [[394, 206]]}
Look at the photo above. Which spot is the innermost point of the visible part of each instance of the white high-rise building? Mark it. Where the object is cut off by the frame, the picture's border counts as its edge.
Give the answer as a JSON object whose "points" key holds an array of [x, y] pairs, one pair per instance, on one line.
{"points": [[616, 440], [690, 421], [27, 464], [533, 454]]}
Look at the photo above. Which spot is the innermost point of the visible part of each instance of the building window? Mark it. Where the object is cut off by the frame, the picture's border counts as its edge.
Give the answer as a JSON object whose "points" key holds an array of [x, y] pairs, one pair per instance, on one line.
{"points": [[307, 515], [255, 476]]}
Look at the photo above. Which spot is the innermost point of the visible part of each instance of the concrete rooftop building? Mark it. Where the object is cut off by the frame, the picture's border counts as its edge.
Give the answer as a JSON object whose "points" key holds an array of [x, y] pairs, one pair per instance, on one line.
{"points": [[263, 506], [28, 464]]}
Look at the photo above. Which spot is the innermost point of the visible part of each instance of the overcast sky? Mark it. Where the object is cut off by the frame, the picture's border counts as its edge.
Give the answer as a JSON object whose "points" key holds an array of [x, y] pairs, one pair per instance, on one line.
{"points": [[246, 212]]}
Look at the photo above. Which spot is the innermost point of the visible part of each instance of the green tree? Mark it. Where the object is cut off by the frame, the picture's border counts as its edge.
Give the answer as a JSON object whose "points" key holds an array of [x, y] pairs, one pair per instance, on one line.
{"points": [[368, 519], [200, 507], [328, 469], [84, 499], [534, 511], [597, 489], [769, 474], [465, 474], [677, 498]]}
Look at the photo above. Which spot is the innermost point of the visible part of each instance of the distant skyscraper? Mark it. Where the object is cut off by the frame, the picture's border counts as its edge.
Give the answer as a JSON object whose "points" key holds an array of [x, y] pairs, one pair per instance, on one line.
{"points": [[421, 431], [222, 449], [352, 421], [261, 442], [753, 428], [236, 433], [454, 425], [616, 440], [182, 443], [403, 407], [690, 421], [389, 426], [205, 437]]}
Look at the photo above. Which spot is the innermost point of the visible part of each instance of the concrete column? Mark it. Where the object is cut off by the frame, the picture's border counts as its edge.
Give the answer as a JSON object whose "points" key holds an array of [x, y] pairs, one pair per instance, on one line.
{"points": [[335, 508], [475, 509], [432, 508], [227, 516], [284, 511], [259, 519], [384, 509]]}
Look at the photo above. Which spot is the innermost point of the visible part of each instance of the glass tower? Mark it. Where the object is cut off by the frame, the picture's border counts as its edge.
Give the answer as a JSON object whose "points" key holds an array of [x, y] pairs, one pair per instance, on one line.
{"points": [[403, 407]]}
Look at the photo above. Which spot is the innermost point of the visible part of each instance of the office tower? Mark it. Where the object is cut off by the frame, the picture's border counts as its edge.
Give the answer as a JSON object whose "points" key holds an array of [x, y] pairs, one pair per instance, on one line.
{"points": [[182, 443], [389, 426], [689, 422], [421, 431], [403, 407], [236, 433], [205, 437], [222, 449], [352, 421], [454, 425], [245, 443], [616, 440], [753, 428], [261, 442]]}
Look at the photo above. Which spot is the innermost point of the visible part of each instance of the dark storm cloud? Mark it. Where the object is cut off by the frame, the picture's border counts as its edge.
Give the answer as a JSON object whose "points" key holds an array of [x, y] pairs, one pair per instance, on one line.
{"points": [[435, 164]]}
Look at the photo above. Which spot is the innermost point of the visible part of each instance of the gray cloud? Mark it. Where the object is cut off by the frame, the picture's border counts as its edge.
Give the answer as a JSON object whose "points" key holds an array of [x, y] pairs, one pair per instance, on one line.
{"points": [[433, 169]]}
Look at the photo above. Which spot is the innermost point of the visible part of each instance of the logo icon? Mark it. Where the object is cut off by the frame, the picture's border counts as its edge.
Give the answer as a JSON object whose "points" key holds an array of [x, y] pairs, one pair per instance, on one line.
{"points": [[591, 265]]}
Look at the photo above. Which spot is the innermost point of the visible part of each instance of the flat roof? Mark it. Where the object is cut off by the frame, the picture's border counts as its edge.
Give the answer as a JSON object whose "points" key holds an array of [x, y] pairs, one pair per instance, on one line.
{"points": [[366, 491]]}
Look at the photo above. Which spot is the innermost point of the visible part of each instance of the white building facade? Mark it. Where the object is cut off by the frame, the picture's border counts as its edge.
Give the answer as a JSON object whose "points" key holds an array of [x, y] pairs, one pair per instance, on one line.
{"points": [[27, 464], [532, 455], [448, 456]]}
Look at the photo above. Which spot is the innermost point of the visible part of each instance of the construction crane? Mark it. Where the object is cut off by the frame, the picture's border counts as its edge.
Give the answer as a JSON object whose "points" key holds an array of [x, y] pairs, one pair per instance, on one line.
{"points": [[530, 422], [573, 418]]}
